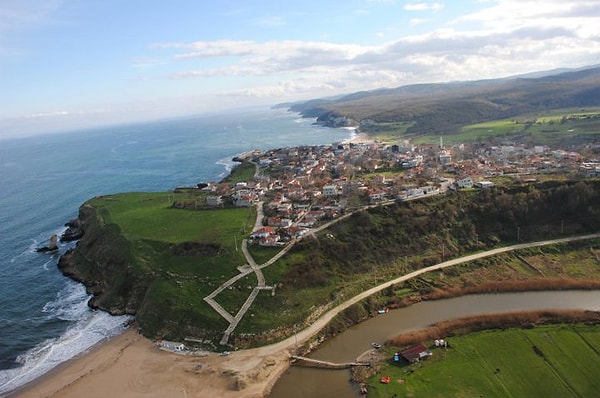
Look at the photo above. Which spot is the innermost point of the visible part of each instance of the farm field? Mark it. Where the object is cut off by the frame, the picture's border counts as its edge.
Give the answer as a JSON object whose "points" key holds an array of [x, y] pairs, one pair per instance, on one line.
{"points": [[540, 129], [551, 360]]}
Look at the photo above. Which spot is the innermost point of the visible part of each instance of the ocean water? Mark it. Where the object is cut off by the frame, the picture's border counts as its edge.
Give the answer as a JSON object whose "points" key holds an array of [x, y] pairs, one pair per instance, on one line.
{"points": [[44, 317]]}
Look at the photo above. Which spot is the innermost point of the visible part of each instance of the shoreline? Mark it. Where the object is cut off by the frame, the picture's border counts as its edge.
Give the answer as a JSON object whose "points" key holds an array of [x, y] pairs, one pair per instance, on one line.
{"points": [[133, 366]]}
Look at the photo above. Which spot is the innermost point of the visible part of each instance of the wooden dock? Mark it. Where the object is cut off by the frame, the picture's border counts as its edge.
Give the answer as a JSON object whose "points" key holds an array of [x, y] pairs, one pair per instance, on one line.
{"points": [[317, 363]]}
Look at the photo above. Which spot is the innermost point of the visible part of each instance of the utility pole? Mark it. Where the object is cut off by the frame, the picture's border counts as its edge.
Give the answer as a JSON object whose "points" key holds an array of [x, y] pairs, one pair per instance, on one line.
{"points": [[518, 234]]}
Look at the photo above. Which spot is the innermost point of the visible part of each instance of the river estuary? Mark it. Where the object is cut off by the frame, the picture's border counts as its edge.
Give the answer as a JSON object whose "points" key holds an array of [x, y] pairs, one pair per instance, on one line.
{"points": [[307, 382]]}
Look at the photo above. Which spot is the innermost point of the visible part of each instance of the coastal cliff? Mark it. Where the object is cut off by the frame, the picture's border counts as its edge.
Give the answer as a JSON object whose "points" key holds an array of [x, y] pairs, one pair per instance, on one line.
{"points": [[141, 256], [102, 261]]}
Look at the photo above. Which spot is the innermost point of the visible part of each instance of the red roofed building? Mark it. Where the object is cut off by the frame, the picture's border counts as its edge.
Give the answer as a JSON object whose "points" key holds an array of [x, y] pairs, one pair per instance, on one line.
{"points": [[263, 232], [415, 353]]}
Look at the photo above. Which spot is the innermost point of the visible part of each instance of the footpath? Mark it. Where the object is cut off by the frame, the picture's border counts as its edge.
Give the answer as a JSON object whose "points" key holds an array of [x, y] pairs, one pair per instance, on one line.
{"points": [[253, 267]]}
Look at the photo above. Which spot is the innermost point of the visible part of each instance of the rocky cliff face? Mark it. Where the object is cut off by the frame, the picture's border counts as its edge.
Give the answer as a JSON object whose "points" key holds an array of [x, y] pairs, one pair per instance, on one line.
{"points": [[102, 260], [333, 119]]}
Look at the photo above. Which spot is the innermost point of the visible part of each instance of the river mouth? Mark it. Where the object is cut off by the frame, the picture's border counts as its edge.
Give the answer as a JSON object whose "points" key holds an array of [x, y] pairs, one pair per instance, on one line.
{"points": [[346, 346]]}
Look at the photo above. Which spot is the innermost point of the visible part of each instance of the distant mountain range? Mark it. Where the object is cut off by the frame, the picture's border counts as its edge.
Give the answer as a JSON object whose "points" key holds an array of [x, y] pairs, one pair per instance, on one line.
{"points": [[445, 107]]}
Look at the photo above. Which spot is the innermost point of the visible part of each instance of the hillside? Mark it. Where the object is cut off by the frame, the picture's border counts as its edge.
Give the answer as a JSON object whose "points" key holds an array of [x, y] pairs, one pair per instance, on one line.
{"points": [[444, 108], [141, 256]]}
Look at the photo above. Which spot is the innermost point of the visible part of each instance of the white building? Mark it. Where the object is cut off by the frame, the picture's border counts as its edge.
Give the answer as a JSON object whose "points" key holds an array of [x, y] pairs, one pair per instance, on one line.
{"points": [[466, 182], [330, 190]]}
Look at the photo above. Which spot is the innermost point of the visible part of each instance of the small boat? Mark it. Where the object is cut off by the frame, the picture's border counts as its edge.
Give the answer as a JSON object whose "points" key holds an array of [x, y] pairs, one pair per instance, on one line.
{"points": [[383, 311], [385, 379], [224, 353], [376, 345]]}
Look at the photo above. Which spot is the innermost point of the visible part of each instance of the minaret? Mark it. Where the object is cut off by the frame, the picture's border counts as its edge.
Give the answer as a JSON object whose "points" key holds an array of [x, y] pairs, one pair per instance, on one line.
{"points": [[441, 142]]}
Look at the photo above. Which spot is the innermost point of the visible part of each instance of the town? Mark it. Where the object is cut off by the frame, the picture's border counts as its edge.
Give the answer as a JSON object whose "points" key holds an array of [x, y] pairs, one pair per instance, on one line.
{"points": [[299, 188]]}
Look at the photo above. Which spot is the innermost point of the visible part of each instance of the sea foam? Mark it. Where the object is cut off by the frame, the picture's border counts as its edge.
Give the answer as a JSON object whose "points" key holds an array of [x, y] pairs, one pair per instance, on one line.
{"points": [[89, 328]]}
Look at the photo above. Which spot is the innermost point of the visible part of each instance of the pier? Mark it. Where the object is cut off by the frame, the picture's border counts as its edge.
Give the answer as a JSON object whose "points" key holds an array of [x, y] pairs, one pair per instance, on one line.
{"points": [[317, 363]]}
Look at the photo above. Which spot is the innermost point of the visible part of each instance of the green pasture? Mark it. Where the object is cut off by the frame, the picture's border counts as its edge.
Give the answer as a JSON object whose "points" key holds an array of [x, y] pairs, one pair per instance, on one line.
{"points": [[152, 227], [551, 361], [241, 173], [386, 131], [150, 216], [541, 129]]}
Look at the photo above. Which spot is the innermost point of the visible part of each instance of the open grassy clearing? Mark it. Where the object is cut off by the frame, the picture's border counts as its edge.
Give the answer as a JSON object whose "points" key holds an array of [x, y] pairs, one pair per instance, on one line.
{"points": [[241, 173], [386, 131], [545, 128], [150, 216], [553, 361], [154, 230]]}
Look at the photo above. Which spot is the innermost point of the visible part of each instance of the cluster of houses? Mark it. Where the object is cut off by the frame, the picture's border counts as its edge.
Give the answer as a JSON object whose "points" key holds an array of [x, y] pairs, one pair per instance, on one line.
{"points": [[301, 187]]}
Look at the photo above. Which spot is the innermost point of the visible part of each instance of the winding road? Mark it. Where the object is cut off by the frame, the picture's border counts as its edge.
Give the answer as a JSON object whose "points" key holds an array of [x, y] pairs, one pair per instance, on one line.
{"points": [[305, 334]]}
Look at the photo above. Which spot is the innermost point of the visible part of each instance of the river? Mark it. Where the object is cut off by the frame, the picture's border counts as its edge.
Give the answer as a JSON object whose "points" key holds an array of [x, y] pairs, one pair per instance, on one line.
{"points": [[307, 382]]}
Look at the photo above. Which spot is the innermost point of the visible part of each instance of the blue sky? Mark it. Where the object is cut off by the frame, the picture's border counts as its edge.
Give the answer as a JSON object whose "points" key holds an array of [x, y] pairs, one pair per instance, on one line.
{"points": [[68, 64]]}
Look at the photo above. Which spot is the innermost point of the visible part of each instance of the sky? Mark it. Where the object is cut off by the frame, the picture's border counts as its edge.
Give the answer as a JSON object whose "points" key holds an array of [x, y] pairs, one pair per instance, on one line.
{"points": [[69, 64]]}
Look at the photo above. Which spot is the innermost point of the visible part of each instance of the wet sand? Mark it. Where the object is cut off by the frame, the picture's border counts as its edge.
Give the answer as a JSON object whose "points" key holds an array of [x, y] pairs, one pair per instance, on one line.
{"points": [[130, 365]]}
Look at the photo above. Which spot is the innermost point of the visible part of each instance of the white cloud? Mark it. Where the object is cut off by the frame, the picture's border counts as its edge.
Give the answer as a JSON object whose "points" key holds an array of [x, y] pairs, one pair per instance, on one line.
{"points": [[423, 6], [502, 44], [417, 21], [580, 16]]}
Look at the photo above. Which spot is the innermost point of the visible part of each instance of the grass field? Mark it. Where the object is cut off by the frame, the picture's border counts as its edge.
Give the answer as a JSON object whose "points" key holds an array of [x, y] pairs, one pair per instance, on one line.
{"points": [[241, 173], [150, 216], [540, 129], [153, 228], [546, 361]]}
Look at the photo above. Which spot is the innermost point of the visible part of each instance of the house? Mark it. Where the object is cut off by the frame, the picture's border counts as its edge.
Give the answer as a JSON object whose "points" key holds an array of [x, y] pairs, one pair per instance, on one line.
{"points": [[214, 201], [376, 196], [484, 184], [244, 200], [262, 232], [271, 240], [296, 232], [279, 222], [170, 346], [413, 354], [330, 190], [445, 158], [466, 182]]}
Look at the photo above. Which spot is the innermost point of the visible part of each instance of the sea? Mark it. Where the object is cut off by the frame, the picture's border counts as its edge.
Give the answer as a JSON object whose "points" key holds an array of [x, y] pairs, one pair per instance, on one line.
{"points": [[44, 316]]}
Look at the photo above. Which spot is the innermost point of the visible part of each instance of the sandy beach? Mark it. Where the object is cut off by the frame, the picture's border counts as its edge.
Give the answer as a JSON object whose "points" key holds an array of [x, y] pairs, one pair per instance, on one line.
{"points": [[130, 366]]}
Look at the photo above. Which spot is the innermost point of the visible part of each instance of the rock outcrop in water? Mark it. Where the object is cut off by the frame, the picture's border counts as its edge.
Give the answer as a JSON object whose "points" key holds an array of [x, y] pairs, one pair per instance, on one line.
{"points": [[51, 247], [74, 231]]}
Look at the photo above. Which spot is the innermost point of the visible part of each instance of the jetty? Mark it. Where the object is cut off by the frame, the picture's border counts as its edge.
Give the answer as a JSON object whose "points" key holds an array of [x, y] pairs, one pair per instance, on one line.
{"points": [[317, 363]]}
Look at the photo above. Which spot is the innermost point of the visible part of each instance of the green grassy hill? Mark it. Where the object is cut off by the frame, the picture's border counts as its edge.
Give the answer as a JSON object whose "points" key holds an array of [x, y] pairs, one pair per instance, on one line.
{"points": [[445, 108], [140, 255]]}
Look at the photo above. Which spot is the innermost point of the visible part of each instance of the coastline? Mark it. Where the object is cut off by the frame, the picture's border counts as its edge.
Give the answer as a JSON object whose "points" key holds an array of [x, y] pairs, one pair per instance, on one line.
{"points": [[133, 366], [91, 367]]}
